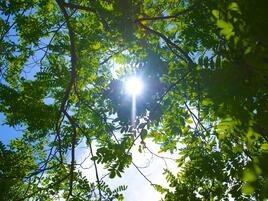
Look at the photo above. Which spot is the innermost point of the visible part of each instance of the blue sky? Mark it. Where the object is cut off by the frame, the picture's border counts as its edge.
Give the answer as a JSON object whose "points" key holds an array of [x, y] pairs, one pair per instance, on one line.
{"points": [[7, 132]]}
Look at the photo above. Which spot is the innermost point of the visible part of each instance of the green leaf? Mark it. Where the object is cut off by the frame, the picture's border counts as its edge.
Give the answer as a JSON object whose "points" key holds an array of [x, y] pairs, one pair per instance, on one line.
{"points": [[226, 28], [216, 14], [143, 133], [94, 158], [234, 7], [249, 176], [248, 189], [264, 147], [112, 174]]}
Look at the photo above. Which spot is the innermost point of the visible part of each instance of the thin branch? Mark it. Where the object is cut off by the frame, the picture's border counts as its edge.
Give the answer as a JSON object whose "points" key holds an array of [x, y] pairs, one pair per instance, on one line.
{"points": [[102, 116], [194, 120], [174, 52], [11, 26], [94, 162], [40, 171], [142, 174], [58, 123], [162, 157], [74, 6], [3, 31], [190, 8], [198, 120], [52, 38], [108, 58], [168, 41], [91, 10], [104, 176], [96, 171]]}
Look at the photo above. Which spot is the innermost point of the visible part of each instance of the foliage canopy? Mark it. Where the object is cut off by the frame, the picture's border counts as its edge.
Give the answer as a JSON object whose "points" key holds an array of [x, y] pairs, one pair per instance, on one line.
{"points": [[205, 65]]}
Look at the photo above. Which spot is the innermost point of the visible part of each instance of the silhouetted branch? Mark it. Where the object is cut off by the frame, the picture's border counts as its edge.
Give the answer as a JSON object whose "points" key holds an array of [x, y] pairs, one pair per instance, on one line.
{"points": [[74, 6], [142, 174], [73, 56], [11, 26], [72, 121], [96, 171], [69, 87], [190, 8], [162, 157], [51, 39], [197, 119], [168, 41], [88, 9], [102, 116]]}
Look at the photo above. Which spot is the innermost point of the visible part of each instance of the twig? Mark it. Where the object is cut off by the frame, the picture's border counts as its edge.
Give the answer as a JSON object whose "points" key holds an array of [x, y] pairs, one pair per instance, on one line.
{"points": [[88, 9], [96, 171], [94, 162], [198, 120], [190, 8], [143, 174], [11, 26], [74, 6], [52, 38], [163, 157], [97, 113], [168, 41]]}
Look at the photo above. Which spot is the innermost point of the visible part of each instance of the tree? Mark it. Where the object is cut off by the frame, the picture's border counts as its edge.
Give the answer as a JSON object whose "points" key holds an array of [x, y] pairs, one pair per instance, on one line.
{"points": [[205, 64]]}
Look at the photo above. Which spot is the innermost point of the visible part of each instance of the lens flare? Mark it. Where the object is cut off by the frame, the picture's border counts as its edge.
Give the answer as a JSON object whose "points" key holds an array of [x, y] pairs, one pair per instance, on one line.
{"points": [[134, 86]]}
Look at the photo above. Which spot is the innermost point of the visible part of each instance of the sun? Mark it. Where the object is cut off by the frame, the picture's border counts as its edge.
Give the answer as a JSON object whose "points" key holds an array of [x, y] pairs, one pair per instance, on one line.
{"points": [[134, 86]]}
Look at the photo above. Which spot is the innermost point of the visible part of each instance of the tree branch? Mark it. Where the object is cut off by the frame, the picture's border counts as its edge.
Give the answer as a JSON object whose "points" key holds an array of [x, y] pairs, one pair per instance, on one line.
{"points": [[142, 174], [52, 38], [71, 120], [74, 6], [197, 119], [102, 116], [73, 55], [190, 8], [88, 9], [168, 41], [69, 87], [4, 32], [96, 171]]}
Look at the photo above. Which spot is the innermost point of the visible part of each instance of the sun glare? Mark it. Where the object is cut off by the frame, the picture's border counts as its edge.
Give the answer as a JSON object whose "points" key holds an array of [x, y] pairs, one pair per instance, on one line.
{"points": [[134, 86]]}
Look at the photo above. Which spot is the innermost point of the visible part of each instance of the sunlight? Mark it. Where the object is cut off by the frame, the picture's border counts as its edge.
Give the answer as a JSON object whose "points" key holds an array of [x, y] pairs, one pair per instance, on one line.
{"points": [[134, 86]]}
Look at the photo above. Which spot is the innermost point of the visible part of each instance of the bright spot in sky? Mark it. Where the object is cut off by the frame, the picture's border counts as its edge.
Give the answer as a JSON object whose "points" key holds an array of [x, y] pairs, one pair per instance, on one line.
{"points": [[134, 86]]}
